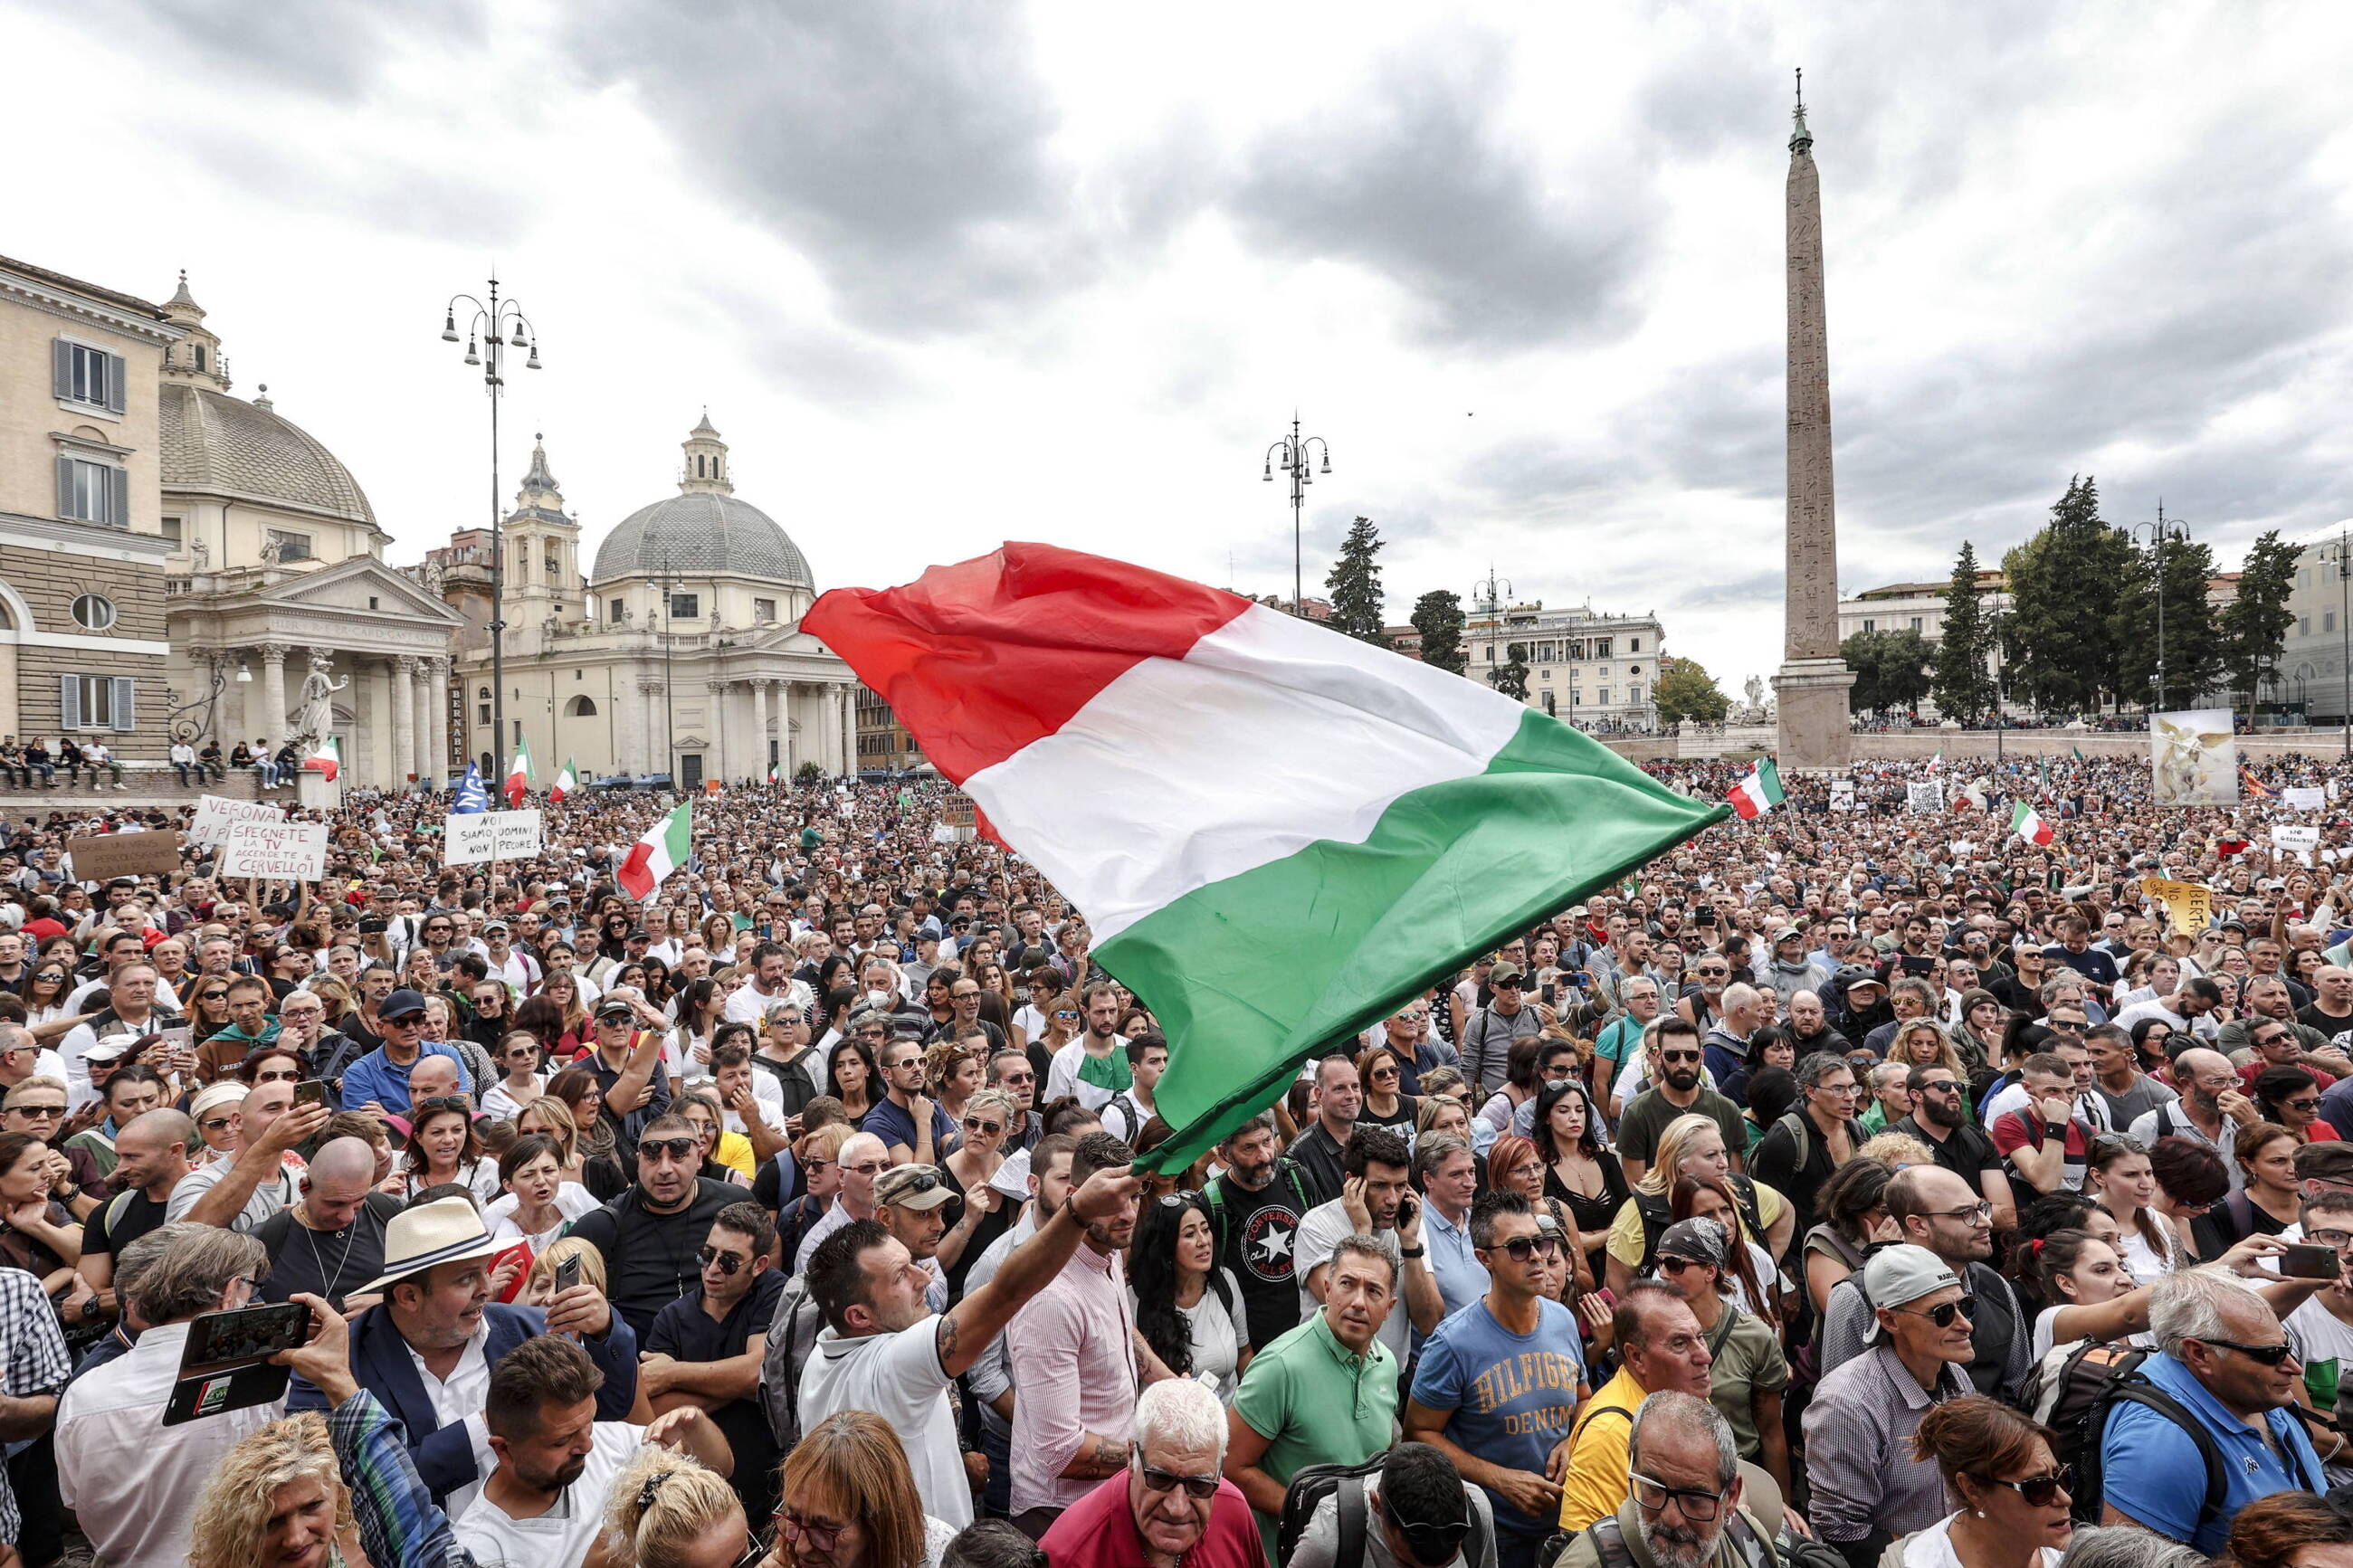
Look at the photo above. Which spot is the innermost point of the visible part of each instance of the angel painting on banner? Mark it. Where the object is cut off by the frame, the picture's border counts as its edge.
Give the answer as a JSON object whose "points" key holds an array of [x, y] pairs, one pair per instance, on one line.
{"points": [[2196, 758]]}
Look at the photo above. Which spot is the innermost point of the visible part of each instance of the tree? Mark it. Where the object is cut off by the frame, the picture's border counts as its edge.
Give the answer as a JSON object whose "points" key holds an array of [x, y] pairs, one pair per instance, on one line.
{"points": [[2060, 647], [2255, 624], [1964, 687], [1438, 616], [1354, 581], [807, 773], [1891, 669], [1684, 692], [2194, 653], [1510, 676]]}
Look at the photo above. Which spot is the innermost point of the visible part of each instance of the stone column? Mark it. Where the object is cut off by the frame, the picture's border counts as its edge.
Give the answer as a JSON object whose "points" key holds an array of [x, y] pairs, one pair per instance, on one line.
{"points": [[404, 719], [760, 732], [273, 693], [850, 763], [654, 756], [1815, 725], [433, 720], [718, 752]]}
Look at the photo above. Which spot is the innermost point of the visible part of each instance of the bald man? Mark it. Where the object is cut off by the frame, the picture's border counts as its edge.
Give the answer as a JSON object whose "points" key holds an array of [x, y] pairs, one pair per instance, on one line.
{"points": [[261, 1176], [863, 1157], [331, 1238], [150, 1159], [2212, 1109]]}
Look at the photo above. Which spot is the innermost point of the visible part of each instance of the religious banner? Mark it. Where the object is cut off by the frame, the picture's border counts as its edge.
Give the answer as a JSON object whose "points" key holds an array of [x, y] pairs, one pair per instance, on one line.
{"points": [[481, 835], [102, 857], [1842, 794], [2305, 799], [1924, 796], [215, 813], [278, 850], [2190, 907], [2194, 758]]}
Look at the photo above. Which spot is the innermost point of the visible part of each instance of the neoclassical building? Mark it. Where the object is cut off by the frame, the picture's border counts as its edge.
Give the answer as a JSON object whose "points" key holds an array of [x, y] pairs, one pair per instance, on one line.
{"points": [[276, 584], [680, 652]]}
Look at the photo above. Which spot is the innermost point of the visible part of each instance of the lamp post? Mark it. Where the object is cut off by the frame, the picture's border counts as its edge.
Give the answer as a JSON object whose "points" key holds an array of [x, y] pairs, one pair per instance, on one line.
{"points": [[1291, 453], [502, 325], [2159, 532]]}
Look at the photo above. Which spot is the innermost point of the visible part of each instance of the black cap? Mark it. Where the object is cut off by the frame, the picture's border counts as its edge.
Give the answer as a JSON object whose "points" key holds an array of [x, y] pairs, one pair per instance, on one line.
{"points": [[400, 1004]]}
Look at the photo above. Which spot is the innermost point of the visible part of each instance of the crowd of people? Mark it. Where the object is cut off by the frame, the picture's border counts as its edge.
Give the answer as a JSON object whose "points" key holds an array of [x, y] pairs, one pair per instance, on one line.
{"points": [[1857, 1186]]}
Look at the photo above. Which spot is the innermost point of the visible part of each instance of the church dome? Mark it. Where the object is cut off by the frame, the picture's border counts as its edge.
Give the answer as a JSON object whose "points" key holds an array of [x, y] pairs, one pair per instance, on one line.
{"points": [[703, 529], [216, 443]]}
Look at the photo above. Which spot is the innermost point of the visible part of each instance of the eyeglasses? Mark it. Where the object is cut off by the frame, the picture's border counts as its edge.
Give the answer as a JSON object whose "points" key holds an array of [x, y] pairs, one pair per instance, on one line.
{"points": [[287, 1075], [1942, 1316], [729, 1262], [1385, 1072], [215, 1123], [1200, 1488], [1698, 1504], [2262, 1355], [795, 1528], [2340, 1240], [974, 1124], [1523, 1247], [864, 1168], [2310, 1103], [40, 1111], [679, 1149], [2039, 1491]]}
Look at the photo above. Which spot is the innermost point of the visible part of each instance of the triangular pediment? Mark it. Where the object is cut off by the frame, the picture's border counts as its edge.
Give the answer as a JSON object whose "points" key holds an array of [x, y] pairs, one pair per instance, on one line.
{"points": [[787, 639], [349, 585], [692, 742]]}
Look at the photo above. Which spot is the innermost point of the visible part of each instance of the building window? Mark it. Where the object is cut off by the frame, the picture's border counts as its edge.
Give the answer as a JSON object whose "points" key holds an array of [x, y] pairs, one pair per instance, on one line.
{"points": [[614, 610], [1634, 695], [95, 702], [85, 374], [93, 612], [2328, 620], [763, 611], [685, 606], [1602, 647], [1916, 623], [1633, 644], [93, 492], [2303, 625], [580, 708], [1869, 625], [1605, 697], [1490, 653], [171, 531], [1549, 709], [200, 356], [291, 546]]}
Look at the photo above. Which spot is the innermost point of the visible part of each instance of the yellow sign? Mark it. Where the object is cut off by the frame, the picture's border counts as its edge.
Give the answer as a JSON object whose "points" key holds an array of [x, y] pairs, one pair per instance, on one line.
{"points": [[2190, 907]]}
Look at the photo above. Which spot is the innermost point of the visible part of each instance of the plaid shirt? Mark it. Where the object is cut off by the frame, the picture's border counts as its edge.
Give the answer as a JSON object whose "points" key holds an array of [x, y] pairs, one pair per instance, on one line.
{"points": [[400, 1524], [32, 1362]]}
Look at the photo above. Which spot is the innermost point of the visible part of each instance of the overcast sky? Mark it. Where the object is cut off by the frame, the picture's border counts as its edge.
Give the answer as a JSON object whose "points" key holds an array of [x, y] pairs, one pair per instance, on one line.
{"points": [[953, 274]]}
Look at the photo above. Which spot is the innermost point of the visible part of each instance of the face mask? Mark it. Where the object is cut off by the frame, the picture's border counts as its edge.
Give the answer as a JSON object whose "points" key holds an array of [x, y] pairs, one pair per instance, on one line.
{"points": [[878, 998]]}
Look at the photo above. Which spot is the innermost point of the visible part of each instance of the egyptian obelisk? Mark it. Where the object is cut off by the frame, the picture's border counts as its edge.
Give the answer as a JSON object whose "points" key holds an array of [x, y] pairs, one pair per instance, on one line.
{"points": [[1812, 684]]}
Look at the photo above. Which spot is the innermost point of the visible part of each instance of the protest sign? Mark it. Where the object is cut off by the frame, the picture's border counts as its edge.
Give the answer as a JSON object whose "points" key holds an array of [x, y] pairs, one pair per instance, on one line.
{"points": [[1924, 795], [2300, 841], [2305, 799], [215, 813], [2190, 907], [1841, 795], [293, 851], [483, 836], [102, 857]]}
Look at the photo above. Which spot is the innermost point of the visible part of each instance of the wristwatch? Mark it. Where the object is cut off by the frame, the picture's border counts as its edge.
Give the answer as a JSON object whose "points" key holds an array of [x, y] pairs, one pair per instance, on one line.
{"points": [[1412, 1251]]}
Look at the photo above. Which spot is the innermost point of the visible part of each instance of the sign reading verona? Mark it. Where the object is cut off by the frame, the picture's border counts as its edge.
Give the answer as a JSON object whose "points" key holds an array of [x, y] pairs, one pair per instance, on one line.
{"points": [[283, 850], [215, 812], [489, 836]]}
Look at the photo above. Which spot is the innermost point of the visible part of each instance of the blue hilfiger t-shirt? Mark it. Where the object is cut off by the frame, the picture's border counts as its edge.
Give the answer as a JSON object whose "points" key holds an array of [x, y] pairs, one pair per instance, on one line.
{"points": [[2153, 1475], [1513, 1395]]}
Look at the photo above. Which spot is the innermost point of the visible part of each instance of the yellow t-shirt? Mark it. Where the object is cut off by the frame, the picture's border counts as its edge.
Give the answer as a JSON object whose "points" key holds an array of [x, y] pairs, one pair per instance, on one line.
{"points": [[734, 1152], [1597, 1463], [1626, 1230]]}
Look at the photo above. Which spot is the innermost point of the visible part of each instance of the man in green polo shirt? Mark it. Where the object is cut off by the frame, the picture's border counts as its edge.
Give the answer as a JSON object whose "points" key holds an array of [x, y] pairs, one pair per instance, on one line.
{"points": [[1324, 1393]]}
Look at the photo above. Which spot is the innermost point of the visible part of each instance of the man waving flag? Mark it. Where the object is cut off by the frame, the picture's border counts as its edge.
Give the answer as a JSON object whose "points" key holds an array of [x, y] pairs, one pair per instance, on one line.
{"points": [[1393, 819], [565, 783], [1757, 794], [518, 775], [471, 797]]}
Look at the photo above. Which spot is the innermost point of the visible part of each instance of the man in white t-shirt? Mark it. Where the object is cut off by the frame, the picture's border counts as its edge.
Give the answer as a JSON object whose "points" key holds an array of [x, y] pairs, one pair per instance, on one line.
{"points": [[884, 1349], [557, 1462]]}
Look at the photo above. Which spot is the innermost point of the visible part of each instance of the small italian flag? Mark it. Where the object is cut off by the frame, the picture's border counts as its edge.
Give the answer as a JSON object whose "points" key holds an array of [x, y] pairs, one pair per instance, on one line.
{"points": [[1759, 793], [1395, 820], [663, 850], [2029, 824], [565, 783], [517, 774], [326, 759], [1936, 761], [775, 771]]}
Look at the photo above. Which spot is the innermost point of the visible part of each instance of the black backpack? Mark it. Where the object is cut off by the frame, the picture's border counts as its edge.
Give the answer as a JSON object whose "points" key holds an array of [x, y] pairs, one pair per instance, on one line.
{"points": [[2073, 1393], [1311, 1484]]}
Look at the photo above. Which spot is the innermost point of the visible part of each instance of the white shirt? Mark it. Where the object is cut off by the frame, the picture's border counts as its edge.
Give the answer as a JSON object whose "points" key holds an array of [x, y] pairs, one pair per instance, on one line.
{"points": [[572, 1201], [133, 1480], [500, 1106], [899, 1378], [750, 1005], [1062, 1076], [562, 1536], [459, 1403], [269, 1196]]}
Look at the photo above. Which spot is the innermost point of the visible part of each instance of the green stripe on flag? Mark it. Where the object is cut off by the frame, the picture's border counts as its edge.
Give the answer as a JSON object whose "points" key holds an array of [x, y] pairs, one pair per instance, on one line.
{"points": [[1251, 976]]}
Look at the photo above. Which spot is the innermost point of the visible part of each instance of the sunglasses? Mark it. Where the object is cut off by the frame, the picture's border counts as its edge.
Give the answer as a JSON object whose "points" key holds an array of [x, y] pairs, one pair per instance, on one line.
{"points": [[1679, 1055], [1508, 985], [40, 1111], [679, 1149], [1942, 1316], [212, 995], [287, 1076], [2040, 1491], [974, 1124], [1200, 1488], [2262, 1355], [213, 1123], [729, 1263], [1522, 1247]]}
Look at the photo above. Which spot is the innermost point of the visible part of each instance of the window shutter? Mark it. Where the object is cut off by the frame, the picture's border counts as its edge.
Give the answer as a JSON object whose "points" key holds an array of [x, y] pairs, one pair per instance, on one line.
{"points": [[61, 367], [126, 715], [65, 487], [68, 701], [119, 488], [114, 380]]}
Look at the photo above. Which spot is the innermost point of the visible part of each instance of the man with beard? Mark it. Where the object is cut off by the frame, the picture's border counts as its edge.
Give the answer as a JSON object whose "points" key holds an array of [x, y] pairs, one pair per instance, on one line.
{"points": [[1255, 1206], [545, 1500], [1678, 1092], [1937, 1120], [1810, 1028], [1661, 1347], [648, 1235], [1684, 1508], [1376, 1201], [2212, 1108]]}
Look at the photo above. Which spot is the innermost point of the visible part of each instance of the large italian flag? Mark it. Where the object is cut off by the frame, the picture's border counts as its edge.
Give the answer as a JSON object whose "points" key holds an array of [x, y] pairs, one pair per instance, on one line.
{"points": [[517, 774], [2029, 824], [1757, 794], [1276, 833], [326, 758], [663, 850]]}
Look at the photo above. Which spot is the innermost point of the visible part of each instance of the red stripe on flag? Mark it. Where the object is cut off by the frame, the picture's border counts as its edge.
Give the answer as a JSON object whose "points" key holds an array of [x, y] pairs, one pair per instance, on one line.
{"points": [[980, 659]]}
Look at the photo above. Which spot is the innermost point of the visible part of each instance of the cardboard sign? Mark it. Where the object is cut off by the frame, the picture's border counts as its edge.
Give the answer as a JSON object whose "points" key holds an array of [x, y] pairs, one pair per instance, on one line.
{"points": [[1841, 795], [1924, 796], [101, 858], [958, 811], [2299, 841], [215, 812], [481, 835], [283, 851], [2305, 799], [2190, 907]]}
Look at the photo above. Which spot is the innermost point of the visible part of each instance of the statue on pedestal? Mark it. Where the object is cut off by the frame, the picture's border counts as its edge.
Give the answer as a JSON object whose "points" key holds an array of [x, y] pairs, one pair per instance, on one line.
{"points": [[318, 703]]}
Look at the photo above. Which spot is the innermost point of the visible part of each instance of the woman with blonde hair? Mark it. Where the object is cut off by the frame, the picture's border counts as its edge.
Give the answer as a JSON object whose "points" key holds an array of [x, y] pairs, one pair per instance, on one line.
{"points": [[1690, 1145], [1925, 1043], [278, 1497], [668, 1510], [849, 1500]]}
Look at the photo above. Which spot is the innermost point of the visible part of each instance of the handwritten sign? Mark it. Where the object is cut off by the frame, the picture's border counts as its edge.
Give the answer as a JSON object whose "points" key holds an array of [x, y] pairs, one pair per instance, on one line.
{"points": [[1924, 797], [484, 836], [215, 814], [2298, 841], [295, 851], [102, 857], [2305, 799], [2190, 907], [957, 811]]}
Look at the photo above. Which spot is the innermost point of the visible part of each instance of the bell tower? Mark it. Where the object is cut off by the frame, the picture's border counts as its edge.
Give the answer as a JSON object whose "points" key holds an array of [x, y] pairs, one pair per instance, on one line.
{"points": [[706, 461], [543, 546]]}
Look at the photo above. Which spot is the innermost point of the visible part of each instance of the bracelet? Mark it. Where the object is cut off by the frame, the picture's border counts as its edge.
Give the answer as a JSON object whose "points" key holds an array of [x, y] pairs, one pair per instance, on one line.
{"points": [[1412, 1251]]}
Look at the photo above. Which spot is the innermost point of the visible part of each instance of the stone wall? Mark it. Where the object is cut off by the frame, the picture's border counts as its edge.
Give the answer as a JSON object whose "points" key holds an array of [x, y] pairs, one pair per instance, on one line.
{"points": [[48, 581]]}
